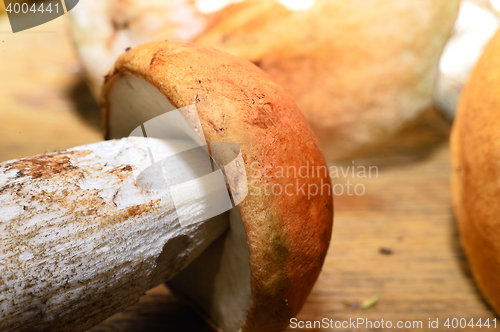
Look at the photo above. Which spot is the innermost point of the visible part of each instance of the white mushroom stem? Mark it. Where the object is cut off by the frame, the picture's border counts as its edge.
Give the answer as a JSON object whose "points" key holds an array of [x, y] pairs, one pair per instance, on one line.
{"points": [[79, 240]]}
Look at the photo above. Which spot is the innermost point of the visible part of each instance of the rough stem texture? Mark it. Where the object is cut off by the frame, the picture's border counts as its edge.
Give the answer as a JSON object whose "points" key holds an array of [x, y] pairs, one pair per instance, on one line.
{"points": [[79, 241]]}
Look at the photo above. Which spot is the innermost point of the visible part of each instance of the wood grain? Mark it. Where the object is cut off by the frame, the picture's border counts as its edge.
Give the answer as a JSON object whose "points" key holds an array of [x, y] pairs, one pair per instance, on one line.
{"points": [[45, 106], [44, 103]]}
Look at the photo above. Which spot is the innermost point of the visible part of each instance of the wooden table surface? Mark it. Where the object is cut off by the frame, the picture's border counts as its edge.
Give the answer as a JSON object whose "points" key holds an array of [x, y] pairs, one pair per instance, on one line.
{"points": [[45, 106]]}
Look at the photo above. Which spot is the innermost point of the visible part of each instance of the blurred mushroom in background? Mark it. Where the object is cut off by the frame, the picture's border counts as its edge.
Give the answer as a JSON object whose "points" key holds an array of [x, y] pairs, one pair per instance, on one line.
{"points": [[359, 70], [103, 29]]}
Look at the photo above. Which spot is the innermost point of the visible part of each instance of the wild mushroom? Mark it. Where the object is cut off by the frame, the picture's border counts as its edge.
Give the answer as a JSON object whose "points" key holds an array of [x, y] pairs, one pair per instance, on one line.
{"points": [[361, 71], [82, 238], [475, 177]]}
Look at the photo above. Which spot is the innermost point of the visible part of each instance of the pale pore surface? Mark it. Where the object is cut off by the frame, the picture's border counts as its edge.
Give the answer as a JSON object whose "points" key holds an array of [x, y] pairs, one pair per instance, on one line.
{"points": [[218, 282]]}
